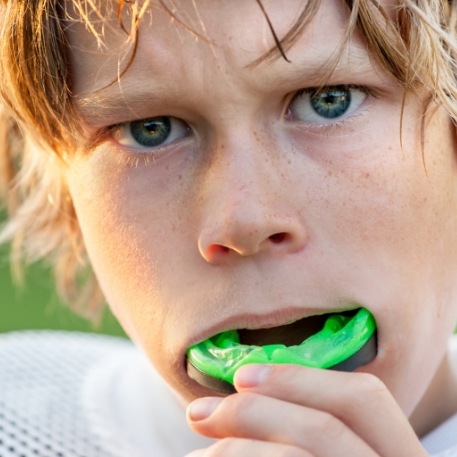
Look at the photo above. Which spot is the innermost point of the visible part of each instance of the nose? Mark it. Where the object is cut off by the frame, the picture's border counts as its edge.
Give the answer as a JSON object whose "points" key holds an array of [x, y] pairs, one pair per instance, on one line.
{"points": [[249, 236], [248, 209]]}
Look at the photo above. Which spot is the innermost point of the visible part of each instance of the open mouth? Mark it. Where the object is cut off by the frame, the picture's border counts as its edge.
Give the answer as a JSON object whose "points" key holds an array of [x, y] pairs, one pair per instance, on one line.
{"points": [[291, 334], [341, 341]]}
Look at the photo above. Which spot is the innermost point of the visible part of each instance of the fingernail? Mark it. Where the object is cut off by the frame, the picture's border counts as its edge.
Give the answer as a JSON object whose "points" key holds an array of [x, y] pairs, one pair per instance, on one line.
{"points": [[251, 375], [202, 408]]}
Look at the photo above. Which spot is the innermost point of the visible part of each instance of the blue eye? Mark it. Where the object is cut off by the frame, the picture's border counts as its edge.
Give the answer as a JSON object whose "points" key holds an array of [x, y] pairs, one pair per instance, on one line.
{"points": [[331, 104], [326, 105], [152, 132]]}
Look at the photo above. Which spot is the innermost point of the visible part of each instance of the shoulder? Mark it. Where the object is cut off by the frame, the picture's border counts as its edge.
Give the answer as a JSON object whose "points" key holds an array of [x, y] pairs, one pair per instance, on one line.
{"points": [[58, 339], [49, 357], [42, 379], [65, 394]]}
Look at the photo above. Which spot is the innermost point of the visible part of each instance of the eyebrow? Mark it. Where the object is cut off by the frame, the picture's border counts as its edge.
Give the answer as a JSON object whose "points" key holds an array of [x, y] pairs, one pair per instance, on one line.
{"points": [[135, 97], [105, 103], [353, 61]]}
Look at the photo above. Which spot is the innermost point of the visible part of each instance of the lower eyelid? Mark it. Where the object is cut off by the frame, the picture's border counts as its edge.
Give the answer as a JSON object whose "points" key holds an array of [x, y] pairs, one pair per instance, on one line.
{"points": [[354, 123]]}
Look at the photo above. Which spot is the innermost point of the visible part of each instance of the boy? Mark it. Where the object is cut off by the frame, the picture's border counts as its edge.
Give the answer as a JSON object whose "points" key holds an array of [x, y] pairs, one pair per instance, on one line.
{"points": [[246, 165]]}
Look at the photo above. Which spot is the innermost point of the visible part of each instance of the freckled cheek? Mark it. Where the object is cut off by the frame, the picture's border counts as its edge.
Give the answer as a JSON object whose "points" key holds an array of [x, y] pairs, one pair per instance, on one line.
{"points": [[128, 236], [376, 203], [354, 199], [381, 214]]}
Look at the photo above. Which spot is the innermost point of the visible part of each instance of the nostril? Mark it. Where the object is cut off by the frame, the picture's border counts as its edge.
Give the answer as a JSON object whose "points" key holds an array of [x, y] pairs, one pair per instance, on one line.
{"points": [[216, 249], [220, 244], [278, 237]]}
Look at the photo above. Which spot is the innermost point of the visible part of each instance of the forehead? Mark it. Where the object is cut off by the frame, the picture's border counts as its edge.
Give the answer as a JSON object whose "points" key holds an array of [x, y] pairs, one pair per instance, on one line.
{"points": [[219, 29], [187, 42]]}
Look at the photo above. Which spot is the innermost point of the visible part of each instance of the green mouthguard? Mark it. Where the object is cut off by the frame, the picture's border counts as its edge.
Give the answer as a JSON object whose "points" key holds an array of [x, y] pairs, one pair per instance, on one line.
{"points": [[341, 337]]}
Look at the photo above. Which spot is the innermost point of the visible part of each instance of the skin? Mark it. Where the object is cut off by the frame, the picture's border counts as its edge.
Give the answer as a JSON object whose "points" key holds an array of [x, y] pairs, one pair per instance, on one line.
{"points": [[253, 217]]}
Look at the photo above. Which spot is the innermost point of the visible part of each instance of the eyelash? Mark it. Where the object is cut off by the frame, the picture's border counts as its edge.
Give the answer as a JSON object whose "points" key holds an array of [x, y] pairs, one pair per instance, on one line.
{"points": [[135, 157], [338, 124], [309, 90]]}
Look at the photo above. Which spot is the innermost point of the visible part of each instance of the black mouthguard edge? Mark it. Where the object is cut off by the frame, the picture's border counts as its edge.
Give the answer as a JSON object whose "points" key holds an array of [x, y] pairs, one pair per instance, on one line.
{"points": [[365, 355]]}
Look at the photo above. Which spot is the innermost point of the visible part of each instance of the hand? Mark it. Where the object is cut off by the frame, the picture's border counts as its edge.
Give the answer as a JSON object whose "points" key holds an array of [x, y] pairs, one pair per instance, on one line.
{"points": [[293, 411]]}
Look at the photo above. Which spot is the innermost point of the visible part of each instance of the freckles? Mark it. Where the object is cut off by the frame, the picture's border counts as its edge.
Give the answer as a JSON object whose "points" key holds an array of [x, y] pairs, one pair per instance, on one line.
{"points": [[363, 207]]}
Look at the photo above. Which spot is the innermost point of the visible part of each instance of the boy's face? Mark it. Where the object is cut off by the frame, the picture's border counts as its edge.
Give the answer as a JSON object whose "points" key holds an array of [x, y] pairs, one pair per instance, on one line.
{"points": [[245, 204]]}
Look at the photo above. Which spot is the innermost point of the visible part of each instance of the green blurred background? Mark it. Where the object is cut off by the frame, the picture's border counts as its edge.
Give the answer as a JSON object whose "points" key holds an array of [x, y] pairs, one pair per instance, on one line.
{"points": [[35, 305]]}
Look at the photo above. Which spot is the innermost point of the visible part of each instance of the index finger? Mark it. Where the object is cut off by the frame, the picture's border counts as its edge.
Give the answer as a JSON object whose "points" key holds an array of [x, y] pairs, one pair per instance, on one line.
{"points": [[360, 400]]}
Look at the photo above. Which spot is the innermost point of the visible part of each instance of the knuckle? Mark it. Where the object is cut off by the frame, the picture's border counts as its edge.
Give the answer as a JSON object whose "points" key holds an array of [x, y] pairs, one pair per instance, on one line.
{"points": [[328, 425], [369, 384]]}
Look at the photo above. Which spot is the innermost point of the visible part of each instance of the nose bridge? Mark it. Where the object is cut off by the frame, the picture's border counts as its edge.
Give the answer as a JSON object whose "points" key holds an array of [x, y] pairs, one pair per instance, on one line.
{"points": [[242, 177], [241, 182], [246, 208]]}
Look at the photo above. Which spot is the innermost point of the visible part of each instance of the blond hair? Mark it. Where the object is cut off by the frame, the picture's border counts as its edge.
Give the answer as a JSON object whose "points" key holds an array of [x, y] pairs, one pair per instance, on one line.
{"points": [[39, 125]]}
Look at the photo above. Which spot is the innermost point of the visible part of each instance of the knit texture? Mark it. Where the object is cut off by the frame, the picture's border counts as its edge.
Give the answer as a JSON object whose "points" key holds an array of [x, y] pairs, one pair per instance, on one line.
{"points": [[41, 380]]}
